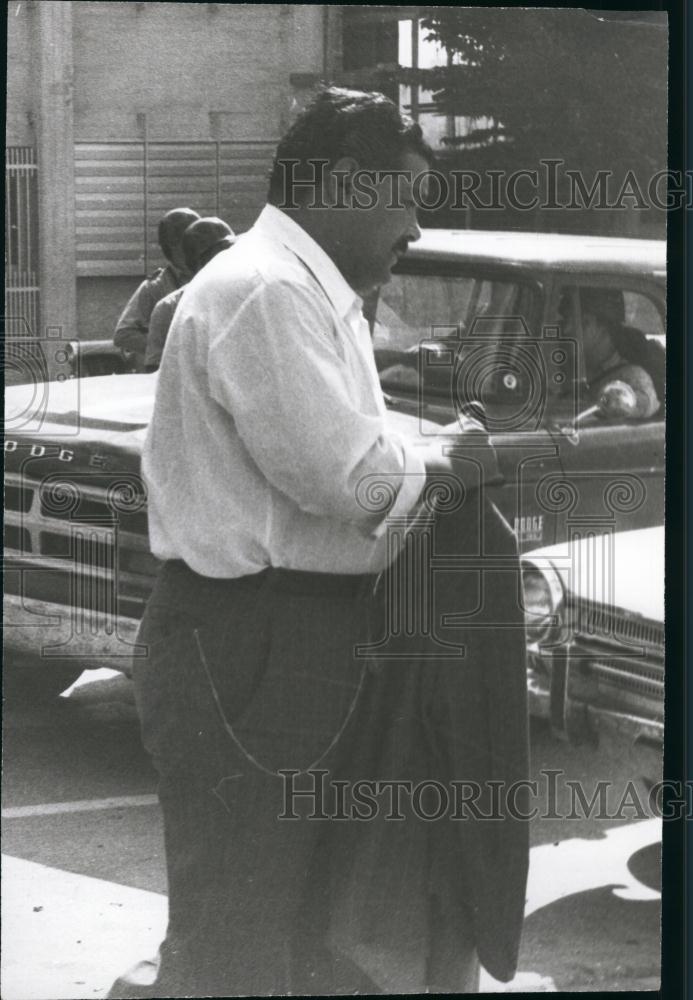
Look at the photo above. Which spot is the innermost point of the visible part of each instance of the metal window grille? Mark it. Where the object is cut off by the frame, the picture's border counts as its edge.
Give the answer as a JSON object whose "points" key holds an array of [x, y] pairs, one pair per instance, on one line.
{"points": [[123, 189], [21, 242]]}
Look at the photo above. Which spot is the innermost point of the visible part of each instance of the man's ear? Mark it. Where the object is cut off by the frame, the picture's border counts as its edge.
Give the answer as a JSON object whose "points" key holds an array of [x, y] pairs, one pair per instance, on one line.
{"points": [[341, 174]]}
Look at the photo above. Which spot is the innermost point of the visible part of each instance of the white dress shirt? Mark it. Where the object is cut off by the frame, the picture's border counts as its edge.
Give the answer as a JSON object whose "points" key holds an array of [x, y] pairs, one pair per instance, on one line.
{"points": [[268, 416]]}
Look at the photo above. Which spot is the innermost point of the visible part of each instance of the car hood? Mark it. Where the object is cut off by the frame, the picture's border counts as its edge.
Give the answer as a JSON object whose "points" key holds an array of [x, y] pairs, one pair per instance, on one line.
{"points": [[624, 570], [111, 402], [107, 415]]}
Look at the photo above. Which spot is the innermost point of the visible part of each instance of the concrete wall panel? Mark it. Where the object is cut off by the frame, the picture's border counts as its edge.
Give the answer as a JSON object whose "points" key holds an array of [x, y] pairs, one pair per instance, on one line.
{"points": [[21, 74], [178, 63]]}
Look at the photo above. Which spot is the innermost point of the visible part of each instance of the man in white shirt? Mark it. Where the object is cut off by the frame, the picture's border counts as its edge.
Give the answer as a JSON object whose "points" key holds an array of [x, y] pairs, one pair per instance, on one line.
{"points": [[268, 427]]}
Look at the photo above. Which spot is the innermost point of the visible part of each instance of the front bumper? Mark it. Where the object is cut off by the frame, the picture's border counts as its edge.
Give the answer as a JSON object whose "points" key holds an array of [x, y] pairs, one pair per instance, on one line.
{"points": [[40, 629], [553, 695]]}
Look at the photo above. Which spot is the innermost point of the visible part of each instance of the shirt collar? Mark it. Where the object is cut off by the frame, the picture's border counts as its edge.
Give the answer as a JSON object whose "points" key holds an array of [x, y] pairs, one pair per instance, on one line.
{"points": [[279, 226]]}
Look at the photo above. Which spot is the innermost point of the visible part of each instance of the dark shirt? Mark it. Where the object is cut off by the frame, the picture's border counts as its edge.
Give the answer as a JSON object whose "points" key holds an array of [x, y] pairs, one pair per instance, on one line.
{"points": [[635, 347], [159, 324], [132, 327]]}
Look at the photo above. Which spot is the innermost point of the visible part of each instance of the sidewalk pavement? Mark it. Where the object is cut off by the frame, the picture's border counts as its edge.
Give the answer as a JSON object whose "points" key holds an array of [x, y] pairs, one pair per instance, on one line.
{"points": [[67, 936]]}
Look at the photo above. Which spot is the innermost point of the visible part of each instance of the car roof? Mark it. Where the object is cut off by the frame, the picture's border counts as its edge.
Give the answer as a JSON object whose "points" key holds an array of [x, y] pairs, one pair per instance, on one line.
{"points": [[545, 251]]}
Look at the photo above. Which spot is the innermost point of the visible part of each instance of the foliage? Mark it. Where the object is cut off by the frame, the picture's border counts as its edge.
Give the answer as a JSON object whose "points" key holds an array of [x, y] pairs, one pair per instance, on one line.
{"points": [[551, 83]]}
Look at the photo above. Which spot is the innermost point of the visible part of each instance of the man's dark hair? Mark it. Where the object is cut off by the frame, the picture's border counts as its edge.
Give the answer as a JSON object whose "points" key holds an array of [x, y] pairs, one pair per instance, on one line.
{"points": [[201, 236], [340, 122], [172, 226], [607, 304]]}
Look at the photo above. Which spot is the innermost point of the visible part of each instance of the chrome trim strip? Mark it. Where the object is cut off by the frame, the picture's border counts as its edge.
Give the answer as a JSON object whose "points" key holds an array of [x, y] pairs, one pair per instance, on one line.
{"points": [[632, 726], [51, 631]]}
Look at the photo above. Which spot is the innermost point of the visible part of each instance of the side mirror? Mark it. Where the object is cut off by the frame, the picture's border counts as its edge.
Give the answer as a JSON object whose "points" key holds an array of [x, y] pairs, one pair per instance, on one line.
{"points": [[618, 399]]}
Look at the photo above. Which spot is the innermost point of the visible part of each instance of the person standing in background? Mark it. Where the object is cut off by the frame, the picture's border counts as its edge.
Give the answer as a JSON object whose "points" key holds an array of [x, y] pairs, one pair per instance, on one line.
{"points": [[130, 335], [202, 241]]}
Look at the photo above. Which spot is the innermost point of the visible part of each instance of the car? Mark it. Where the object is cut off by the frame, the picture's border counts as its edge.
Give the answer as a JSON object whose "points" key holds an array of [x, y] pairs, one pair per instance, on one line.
{"points": [[88, 358], [476, 318], [26, 359], [594, 607], [468, 324]]}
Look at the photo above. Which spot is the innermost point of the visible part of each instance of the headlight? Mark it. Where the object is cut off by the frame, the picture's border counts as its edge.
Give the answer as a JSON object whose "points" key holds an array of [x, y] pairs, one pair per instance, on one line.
{"points": [[542, 600]]}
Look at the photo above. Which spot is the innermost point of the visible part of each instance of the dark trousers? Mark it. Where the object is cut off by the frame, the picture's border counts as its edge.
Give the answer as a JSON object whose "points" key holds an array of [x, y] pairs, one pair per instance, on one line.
{"points": [[243, 679], [246, 679]]}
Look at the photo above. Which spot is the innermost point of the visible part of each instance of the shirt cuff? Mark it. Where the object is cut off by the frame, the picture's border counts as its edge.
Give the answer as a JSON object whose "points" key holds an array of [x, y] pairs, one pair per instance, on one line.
{"points": [[413, 482]]}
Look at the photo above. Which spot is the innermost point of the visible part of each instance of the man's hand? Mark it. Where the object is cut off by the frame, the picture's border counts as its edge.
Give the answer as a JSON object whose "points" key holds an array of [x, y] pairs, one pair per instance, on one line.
{"points": [[436, 459], [404, 377], [463, 425], [455, 445]]}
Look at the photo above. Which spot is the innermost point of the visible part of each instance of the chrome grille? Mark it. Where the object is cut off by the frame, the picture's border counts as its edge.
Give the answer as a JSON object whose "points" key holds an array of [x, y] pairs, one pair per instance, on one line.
{"points": [[18, 498], [593, 619], [620, 657], [647, 681], [77, 544]]}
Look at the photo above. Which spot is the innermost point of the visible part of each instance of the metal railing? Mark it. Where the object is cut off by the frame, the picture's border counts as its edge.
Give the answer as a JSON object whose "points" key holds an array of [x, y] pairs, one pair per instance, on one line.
{"points": [[22, 298]]}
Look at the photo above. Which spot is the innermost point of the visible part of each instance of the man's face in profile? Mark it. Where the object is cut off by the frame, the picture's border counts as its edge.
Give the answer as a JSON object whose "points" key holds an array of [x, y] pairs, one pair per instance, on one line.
{"points": [[373, 238], [592, 333]]}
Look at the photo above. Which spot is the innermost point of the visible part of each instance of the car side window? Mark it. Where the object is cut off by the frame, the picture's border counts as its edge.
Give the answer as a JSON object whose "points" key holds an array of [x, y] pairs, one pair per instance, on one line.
{"points": [[413, 308], [418, 307], [643, 314], [454, 337], [618, 335]]}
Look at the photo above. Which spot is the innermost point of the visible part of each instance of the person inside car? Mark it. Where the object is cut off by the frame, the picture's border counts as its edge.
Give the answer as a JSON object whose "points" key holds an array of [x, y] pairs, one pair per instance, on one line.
{"points": [[202, 241], [613, 351], [130, 335]]}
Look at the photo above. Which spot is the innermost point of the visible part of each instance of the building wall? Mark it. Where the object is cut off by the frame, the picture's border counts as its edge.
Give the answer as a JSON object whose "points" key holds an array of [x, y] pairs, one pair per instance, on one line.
{"points": [[185, 73], [21, 112], [175, 72], [100, 301], [197, 71]]}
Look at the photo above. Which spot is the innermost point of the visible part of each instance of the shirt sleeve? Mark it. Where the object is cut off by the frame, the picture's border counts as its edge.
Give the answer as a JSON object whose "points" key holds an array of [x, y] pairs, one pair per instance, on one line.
{"points": [[278, 370], [131, 328], [639, 380], [159, 324], [413, 482]]}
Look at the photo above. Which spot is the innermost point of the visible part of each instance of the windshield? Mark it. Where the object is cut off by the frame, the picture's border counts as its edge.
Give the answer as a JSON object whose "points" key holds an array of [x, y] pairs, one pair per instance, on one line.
{"points": [[433, 327], [415, 308]]}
